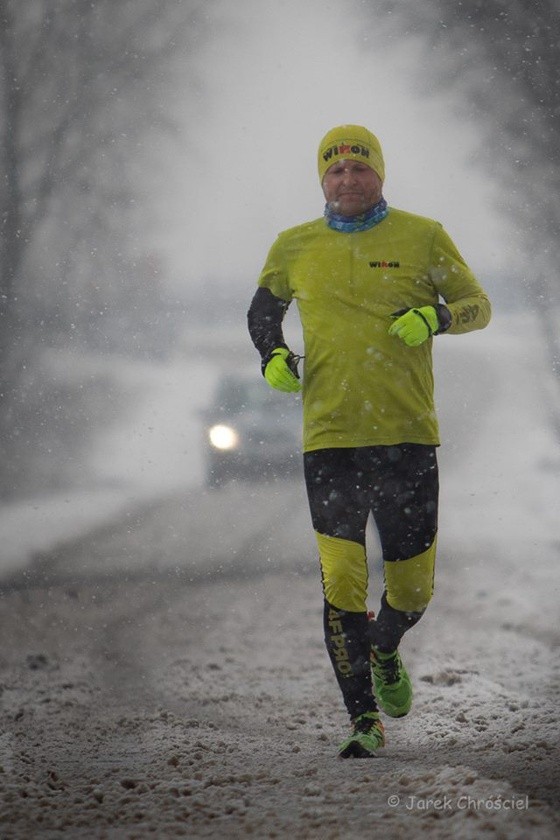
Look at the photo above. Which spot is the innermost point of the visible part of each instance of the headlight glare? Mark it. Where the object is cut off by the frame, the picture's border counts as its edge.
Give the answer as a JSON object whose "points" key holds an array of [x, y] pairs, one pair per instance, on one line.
{"points": [[223, 437]]}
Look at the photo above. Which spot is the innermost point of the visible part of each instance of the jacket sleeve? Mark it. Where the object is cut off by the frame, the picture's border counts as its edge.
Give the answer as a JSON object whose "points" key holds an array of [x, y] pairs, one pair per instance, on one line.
{"points": [[270, 302], [464, 297], [265, 317]]}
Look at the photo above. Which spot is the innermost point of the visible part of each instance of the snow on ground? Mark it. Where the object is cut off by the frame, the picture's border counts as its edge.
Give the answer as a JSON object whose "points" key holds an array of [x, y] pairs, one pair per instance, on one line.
{"points": [[163, 671]]}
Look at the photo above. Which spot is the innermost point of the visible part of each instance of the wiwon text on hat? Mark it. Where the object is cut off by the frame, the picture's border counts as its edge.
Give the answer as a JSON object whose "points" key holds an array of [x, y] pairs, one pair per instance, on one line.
{"points": [[350, 142]]}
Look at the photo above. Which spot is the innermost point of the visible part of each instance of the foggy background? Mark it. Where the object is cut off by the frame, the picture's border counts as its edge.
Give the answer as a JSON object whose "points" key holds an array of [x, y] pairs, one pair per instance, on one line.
{"points": [[150, 153]]}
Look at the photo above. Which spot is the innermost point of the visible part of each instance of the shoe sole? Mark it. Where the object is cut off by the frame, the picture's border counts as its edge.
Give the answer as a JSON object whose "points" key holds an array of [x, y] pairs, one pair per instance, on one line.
{"points": [[395, 714], [356, 750]]}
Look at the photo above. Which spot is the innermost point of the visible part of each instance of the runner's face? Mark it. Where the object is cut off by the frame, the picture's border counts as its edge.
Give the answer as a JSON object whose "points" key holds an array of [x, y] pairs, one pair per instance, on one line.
{"points": [[351, 187]]}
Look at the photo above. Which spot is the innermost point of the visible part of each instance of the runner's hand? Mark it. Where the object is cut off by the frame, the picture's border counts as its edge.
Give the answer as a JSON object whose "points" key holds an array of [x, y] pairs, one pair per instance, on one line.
{"points": [[415, 326], [280, 371]]}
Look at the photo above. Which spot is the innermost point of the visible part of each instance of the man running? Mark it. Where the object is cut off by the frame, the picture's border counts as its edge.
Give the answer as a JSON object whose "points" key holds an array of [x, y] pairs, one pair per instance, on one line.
{"points": [[373, 285]]}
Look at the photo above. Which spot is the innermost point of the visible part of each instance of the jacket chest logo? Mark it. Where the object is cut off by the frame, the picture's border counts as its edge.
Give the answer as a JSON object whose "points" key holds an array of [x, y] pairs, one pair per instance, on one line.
{"points": [[384, 264]]}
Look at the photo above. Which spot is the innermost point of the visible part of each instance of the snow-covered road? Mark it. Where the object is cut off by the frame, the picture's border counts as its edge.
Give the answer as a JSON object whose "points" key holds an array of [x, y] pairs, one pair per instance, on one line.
{"points": [[163, 673]]}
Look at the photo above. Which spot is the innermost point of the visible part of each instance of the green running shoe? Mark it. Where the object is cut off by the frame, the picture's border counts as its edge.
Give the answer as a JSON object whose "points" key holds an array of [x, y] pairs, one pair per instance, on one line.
{"points": [[392, 686], [368, 736]]}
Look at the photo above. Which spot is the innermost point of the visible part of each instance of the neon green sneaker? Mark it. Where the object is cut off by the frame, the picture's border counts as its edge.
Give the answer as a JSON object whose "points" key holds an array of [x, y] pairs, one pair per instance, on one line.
{"points": [[367, 737], [392, 686]]}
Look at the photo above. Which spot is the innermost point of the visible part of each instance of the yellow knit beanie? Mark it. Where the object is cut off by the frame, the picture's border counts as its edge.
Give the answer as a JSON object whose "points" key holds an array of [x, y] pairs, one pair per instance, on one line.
{"points": [[352, 142]]}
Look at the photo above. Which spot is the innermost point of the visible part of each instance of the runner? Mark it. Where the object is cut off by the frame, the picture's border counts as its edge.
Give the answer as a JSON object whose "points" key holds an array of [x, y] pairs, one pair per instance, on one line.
{"points": [[373, 285]]}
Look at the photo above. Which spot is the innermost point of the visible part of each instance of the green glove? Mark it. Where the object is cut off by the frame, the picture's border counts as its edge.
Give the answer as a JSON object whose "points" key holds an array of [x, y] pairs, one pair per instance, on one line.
{"points": [[281, 370], [414, 326]]}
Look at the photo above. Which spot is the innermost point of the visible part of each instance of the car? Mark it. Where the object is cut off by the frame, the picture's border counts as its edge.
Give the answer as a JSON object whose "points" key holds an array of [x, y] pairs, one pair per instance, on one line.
{"points": [[251, 431]]}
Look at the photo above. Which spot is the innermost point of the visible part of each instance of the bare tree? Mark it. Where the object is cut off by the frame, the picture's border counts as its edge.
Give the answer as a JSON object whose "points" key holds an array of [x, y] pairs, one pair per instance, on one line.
{"points": [[81, 88]]}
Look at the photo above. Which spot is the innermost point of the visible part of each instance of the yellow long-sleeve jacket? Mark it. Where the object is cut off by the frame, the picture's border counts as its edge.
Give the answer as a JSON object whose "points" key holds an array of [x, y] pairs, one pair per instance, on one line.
{"points": [[361, 386]]}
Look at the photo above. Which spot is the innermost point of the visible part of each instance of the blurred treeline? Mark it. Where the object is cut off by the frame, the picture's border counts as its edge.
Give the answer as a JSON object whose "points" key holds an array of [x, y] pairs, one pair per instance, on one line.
{"points": [[83, 99]]}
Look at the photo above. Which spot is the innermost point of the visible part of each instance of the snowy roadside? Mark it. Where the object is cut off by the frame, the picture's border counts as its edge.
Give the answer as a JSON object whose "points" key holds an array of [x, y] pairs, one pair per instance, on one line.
{"points": [[153, 450]]}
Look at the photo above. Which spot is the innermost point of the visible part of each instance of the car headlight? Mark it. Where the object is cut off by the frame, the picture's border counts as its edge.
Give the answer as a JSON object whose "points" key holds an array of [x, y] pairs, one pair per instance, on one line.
{"points": [[223, 437]]}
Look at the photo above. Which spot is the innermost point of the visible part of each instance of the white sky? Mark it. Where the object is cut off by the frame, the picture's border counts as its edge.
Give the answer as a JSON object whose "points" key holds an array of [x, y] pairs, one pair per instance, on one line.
{"points": [[276, 75]]}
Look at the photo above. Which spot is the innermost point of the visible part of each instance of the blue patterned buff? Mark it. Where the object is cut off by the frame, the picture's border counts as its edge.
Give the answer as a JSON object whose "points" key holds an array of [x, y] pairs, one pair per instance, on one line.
{"points": [[351, 224]]}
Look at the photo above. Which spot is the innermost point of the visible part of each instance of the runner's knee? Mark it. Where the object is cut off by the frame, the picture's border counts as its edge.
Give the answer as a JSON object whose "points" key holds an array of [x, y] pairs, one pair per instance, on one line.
{"points": [[409, 583], [344, 572]]}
